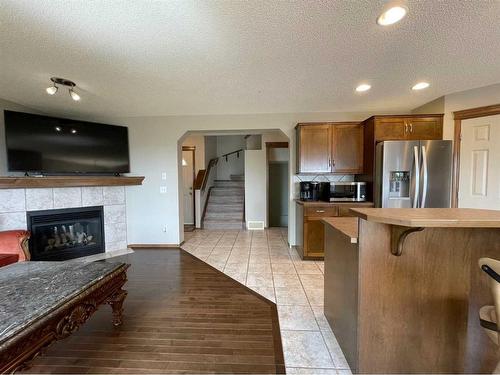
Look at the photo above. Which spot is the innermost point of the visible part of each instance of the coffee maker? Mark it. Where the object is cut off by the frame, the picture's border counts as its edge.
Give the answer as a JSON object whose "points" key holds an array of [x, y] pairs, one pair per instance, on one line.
{"points": [[309, 191]]}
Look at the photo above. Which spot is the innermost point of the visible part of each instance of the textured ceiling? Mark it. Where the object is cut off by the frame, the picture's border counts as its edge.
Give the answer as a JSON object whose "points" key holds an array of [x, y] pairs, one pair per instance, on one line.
{"points": [[135, 58]]}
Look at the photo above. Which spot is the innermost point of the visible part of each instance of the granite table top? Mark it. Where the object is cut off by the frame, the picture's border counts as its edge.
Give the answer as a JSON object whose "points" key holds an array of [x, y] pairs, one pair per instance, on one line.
{"points": [[31, 290]]}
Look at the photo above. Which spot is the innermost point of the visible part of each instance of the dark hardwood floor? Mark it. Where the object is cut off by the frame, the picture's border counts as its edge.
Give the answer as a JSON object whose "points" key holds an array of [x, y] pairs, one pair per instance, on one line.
{"points": [[181, 316]]}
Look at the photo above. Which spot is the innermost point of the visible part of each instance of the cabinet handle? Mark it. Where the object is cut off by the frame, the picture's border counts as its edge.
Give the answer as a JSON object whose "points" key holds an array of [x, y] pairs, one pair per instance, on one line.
{"points": [[411, 127], [406, 127], [329, 162], [333, 162], [320, 211]]}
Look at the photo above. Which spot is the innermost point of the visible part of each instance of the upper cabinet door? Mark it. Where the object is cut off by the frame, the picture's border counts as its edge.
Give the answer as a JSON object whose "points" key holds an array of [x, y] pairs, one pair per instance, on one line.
{"points": [[391, 129], [422, 128], [347, 148], [314, 148]]}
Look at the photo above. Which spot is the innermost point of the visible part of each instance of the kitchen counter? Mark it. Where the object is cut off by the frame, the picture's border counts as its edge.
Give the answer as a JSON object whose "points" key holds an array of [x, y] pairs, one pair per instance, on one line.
{"points": [[348, 226], [431, 217], [408, 281], [337, 203], [309, 228]]}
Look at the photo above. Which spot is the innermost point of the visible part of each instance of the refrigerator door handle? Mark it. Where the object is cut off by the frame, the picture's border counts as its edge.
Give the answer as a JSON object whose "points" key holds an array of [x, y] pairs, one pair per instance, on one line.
{"points": [[425, 176], [417, 177]]}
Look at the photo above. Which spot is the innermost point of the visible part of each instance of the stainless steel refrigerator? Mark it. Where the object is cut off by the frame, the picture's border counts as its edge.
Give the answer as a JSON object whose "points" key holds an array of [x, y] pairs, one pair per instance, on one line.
{"points": [[413, 174]]}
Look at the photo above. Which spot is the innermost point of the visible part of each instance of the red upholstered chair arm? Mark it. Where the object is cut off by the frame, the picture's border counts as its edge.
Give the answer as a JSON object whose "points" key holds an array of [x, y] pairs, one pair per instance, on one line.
{"points": [[15, 242]]}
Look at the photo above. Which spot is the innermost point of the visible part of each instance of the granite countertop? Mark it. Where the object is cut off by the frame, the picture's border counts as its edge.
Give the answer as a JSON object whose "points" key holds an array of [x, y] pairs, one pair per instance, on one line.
{"points": [[345, 225], [337, 203], [431, 217], [30, 290]]}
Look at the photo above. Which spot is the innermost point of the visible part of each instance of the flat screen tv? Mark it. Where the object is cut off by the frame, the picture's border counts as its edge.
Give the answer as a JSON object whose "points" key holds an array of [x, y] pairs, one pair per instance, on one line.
{"points": [[51, 145]]}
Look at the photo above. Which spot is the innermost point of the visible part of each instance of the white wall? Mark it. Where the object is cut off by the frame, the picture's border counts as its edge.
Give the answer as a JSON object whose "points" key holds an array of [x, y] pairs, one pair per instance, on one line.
{"points": [[154, 148], [210, 149], [234, 165], [255, 186], [6, 105]]}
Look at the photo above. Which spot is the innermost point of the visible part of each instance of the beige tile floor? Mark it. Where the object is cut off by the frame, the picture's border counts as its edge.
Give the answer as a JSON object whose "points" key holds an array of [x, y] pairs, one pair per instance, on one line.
{"points": [[263, 261]]}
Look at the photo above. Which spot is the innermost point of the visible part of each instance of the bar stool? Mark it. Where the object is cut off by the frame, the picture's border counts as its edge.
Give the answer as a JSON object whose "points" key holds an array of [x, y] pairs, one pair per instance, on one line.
{"points": [[490, 315]]}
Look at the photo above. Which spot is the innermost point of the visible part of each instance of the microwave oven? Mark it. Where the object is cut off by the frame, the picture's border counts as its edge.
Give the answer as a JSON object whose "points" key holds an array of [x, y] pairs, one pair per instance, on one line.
{"points": [[345, 192]]}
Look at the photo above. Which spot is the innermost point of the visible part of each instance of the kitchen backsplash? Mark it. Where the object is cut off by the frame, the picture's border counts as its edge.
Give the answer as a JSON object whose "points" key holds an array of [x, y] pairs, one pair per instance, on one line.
{"points": [[320, 178]]}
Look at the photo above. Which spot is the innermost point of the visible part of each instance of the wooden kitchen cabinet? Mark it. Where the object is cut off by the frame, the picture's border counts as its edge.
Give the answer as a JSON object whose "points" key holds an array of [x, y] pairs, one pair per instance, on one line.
{"points": [[429, 128], [407, 127], [347, 148], [330, 148], [314, 148], [396, 128], [310, 230], [390, 128]]}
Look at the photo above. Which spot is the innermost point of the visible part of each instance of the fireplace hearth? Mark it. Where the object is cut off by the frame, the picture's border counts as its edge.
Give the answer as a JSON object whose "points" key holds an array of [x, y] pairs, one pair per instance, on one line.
{"points": [[66, 233]]}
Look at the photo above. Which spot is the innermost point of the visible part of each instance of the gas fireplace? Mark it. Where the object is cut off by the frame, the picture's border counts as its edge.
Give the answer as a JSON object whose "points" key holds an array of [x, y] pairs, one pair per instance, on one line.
{"points": [[66, 233]]}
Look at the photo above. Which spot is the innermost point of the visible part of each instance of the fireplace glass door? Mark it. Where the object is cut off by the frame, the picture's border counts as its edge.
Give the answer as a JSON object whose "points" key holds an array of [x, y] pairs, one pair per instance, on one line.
{"points": [[66, 234]]}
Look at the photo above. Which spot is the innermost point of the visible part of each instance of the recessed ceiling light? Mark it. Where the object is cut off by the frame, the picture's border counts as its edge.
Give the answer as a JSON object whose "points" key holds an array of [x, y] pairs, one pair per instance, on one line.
{"points": [[392, 15], [364, 87], [420, 86], [58, 128], [73, 131]]}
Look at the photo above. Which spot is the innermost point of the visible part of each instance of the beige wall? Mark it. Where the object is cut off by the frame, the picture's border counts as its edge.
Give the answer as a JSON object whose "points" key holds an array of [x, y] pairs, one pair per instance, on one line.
{"points": [[458, 101], [479, 97], [197, 141], [436, 106], [154, 149]]}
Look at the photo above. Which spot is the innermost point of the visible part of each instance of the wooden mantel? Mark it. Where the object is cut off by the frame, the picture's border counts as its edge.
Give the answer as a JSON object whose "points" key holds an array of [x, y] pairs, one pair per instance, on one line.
{"points": [[67, 181]]}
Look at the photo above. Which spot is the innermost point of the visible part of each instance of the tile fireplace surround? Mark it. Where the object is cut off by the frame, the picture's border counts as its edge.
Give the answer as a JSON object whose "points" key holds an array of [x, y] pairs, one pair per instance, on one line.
{"points": [[14, 203]]}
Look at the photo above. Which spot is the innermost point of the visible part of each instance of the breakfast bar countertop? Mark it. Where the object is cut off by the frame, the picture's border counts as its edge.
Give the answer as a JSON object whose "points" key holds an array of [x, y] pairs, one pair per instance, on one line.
{"points": [[431, 217], [345, 225]]}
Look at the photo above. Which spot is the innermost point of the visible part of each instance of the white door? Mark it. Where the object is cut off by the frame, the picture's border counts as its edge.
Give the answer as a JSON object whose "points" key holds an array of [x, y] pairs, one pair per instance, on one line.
{"points": [[479, 185], [188, 177]]}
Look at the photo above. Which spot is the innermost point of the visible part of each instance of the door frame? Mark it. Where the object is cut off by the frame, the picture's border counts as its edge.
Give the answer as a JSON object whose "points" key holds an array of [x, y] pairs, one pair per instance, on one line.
{"points": [[458, 117], [270, 145], [193, 150]]}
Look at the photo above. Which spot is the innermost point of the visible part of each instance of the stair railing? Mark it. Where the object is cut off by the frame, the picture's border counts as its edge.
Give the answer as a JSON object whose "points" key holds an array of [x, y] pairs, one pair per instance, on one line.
{"points": [[204, 179]]}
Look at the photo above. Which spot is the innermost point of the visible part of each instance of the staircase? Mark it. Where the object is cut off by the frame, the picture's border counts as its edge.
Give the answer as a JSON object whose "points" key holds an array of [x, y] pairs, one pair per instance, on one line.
{"points": [[225, 207]]}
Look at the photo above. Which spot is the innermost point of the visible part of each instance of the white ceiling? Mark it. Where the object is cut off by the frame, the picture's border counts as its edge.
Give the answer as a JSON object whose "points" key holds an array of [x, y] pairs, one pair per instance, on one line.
{"points": [[136, 58]]}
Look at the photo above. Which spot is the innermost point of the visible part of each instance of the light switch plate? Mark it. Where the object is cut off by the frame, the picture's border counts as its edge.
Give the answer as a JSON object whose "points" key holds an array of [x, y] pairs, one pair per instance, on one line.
{"points": [[163, 189], [163, 175]]}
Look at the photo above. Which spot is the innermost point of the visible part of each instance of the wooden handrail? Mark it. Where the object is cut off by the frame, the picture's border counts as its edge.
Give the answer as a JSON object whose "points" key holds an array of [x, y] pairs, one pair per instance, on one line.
{"points": [[204, 174], [198, 182], [211, 164]]}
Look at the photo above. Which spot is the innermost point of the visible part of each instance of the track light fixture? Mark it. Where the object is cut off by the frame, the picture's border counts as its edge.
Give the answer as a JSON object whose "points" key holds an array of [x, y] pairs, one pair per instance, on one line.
{"points": [[63, 82]]}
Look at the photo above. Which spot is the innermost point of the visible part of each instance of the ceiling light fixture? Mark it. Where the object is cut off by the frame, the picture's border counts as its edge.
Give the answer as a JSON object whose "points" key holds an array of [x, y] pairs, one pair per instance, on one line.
{"points": [[420, 86], [51, 90], [63, 82], [74, 95], [392, 15], [363, 87]]}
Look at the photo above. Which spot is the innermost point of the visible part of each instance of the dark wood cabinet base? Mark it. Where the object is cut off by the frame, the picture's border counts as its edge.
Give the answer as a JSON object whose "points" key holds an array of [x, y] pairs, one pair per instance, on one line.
{"points": [[17, 352]]}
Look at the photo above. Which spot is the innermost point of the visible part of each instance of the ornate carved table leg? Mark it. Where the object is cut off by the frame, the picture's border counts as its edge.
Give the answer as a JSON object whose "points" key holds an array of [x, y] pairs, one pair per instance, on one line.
{"points": [[116, 303]]}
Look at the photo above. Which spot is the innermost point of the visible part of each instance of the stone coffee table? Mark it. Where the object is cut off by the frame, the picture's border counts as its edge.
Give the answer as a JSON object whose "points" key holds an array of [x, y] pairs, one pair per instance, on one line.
{"points": [[41, 302]]}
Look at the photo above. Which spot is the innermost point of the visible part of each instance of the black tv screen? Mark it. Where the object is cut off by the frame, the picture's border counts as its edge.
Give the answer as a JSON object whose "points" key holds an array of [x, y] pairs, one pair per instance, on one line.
{"points": [[51, 145]]}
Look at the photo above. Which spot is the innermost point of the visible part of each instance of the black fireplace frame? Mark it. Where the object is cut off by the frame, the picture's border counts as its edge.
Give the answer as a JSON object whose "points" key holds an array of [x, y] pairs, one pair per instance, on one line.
{"points": [[59, 214]]}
